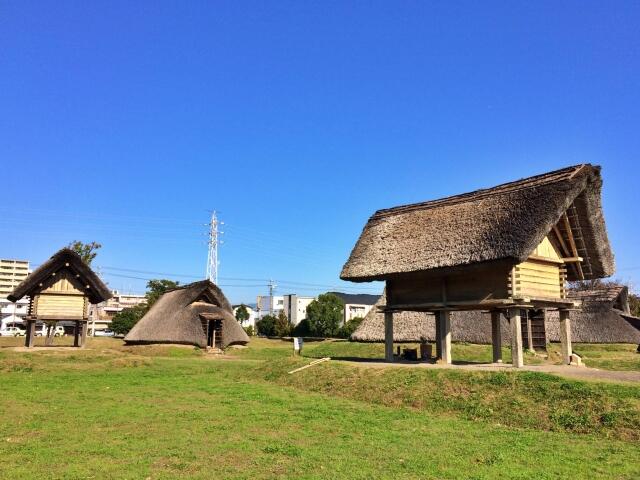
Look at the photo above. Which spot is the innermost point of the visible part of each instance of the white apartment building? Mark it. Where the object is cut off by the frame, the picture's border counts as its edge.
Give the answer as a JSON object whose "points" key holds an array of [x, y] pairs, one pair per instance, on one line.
{"points": [[294, 306], [12, 272], [356, 305], [107, 310]]}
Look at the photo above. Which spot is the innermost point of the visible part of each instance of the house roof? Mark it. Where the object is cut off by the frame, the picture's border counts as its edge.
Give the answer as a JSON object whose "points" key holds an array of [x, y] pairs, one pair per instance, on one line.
{"points": [[506, 222], [357, 298], [177, 317], [63, 259]]}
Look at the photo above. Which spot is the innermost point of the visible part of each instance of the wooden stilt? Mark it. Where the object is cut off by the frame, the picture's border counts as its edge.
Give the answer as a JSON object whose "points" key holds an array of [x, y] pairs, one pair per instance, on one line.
{"points": [[76, 334], [444, 339], [31, 330], [388, 336], [565, 337], [529, 333], [496, 337], [438, 339], [517, 359], [83, 337]]}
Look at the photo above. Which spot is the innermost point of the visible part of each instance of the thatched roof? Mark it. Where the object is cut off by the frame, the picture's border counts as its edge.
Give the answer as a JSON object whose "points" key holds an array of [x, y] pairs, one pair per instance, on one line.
{"points": [[598, 321], [602, 318], [177, 318], [466, 326], [503, 223], [63, 259]]}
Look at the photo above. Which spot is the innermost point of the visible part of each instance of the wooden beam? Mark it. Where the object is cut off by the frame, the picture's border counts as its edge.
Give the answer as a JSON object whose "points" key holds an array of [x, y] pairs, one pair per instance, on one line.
{"points": [[444, 338], [572, 242], [388, 336], [572, 259], [517, 359], [496, 336], [565, 337]]}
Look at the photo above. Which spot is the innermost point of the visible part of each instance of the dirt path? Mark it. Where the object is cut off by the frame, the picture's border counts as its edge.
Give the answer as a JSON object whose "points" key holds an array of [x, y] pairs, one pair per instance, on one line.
{"points": [[581, 373]]}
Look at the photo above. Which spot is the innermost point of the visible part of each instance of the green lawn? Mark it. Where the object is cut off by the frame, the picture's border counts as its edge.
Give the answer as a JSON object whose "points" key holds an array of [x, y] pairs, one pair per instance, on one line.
{"points": [[170, 412]]}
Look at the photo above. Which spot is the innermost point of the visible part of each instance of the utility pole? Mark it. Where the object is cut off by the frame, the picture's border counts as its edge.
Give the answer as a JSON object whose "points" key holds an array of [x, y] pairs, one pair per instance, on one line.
{"points": [[212, 260], [272, 287]]}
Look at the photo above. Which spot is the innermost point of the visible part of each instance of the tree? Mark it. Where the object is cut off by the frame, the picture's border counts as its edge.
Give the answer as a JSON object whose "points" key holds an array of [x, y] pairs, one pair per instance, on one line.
{"points": [[282, 327], [87, 251], [266, 325], [634, 304], [348, 328], [242, 314], [124, 320], [156, 288], [325, 315]]}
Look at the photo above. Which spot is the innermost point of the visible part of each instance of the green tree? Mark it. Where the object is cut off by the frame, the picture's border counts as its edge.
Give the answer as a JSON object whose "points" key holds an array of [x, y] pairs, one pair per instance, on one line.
{"points": [[325, 315], [124, 320], [282, 327], [634, 304], [348, 328], [87, 251], [156, 288], [266, 325], [242, 314]]}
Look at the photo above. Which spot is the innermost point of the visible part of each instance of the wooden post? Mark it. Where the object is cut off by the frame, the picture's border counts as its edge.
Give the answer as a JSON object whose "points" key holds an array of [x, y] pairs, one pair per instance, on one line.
{"points": [[438, 335], [388, 336], [565, 336], [496, 336], [529, 333], [76, 334], [31, 327], [444, 339], [516, 338], [83, 337]]}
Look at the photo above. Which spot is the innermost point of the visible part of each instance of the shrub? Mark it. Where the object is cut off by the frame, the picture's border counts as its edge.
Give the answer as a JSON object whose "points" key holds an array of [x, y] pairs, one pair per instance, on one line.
{"points": [[282, 327], [249, 330], [348, 328], [302, 329], [125, 320], [325, 315], [266, 325]]}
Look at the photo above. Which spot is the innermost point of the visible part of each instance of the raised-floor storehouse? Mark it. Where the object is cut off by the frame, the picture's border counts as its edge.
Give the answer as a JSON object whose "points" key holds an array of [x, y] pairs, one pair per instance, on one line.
{"points": [[504, 249]]}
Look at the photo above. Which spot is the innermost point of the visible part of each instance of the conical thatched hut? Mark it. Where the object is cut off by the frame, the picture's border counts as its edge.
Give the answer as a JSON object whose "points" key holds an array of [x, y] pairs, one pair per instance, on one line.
{"points": [[503, 249], [603, 317], [196, 314]]}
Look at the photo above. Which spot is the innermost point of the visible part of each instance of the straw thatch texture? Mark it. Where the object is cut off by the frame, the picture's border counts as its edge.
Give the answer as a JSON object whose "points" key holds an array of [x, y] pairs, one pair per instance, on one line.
{"points": [[467, 326], [504, 223], [176, 318], [600, 319], [63, 259]]}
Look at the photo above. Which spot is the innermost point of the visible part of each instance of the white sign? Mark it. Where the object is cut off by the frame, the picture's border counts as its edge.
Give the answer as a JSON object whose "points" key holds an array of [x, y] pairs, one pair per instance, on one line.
{"points": [[297, 344]]}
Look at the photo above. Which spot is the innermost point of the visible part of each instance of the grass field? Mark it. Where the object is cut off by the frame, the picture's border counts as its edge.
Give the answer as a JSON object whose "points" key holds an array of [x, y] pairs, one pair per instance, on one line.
{"points": [[110, 411]]}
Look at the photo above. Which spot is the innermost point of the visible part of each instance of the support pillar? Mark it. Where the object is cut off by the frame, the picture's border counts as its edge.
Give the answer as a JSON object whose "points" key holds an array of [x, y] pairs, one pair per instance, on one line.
{"points": [[517, 359], [529, 333], [496, 337], [29, 337], [83, 337], [76, 334], [443, 336], [388, 336], [565, 337]]}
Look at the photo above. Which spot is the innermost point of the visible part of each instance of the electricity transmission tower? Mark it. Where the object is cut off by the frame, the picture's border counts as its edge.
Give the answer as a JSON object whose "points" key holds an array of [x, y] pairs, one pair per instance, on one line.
{"points": [[212, 260]]}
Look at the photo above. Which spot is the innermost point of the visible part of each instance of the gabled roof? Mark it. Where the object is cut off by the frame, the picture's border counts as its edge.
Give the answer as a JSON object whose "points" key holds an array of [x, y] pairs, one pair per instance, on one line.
{"points": [[177, 317], [503, 223], [65, 258], [356, 298]]}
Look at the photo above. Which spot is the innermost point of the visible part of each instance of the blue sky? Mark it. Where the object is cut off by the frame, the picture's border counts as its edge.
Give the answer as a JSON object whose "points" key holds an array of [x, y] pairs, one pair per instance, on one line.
{"points": [[126, 122]]}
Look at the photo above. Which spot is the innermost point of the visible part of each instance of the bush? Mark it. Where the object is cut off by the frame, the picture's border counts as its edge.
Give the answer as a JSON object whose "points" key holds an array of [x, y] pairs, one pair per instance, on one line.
{"points": [[348, 328], [325, 315], [266, 325], [282, 327], [249, 330], [302, 329], [125, 320]]}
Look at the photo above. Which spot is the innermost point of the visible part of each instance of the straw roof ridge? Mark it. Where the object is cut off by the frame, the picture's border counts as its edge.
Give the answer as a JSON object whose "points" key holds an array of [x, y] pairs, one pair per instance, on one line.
{"points": [[506, 222], [97, 291], [176, 317]]}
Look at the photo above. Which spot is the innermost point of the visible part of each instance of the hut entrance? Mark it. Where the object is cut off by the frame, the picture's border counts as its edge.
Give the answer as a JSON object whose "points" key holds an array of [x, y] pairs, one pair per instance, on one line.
{"points": [[534, 325], [214, 333]]}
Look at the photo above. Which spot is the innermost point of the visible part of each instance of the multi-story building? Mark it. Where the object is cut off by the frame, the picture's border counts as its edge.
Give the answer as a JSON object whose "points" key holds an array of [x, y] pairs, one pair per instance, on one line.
{"points": [[107, 310], [12, 314], [294, 306], [12, 272], [356, 305]]}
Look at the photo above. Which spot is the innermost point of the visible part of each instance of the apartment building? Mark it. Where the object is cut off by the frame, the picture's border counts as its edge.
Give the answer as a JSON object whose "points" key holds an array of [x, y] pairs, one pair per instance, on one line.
{"points": [[12, 272], [294, 306], [356, 305]]}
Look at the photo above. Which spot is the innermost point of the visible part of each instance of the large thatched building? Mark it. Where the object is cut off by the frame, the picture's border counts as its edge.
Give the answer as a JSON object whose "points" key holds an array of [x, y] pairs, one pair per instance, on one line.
{"points": [[503, 249], [197, 314], [602, 317], [60, 290]]}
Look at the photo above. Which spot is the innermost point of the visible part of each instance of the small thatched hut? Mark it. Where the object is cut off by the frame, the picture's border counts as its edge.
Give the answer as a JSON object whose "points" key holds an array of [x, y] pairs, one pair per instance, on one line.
{"points": [[197, 314], [61, 289], [503, 249]]}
